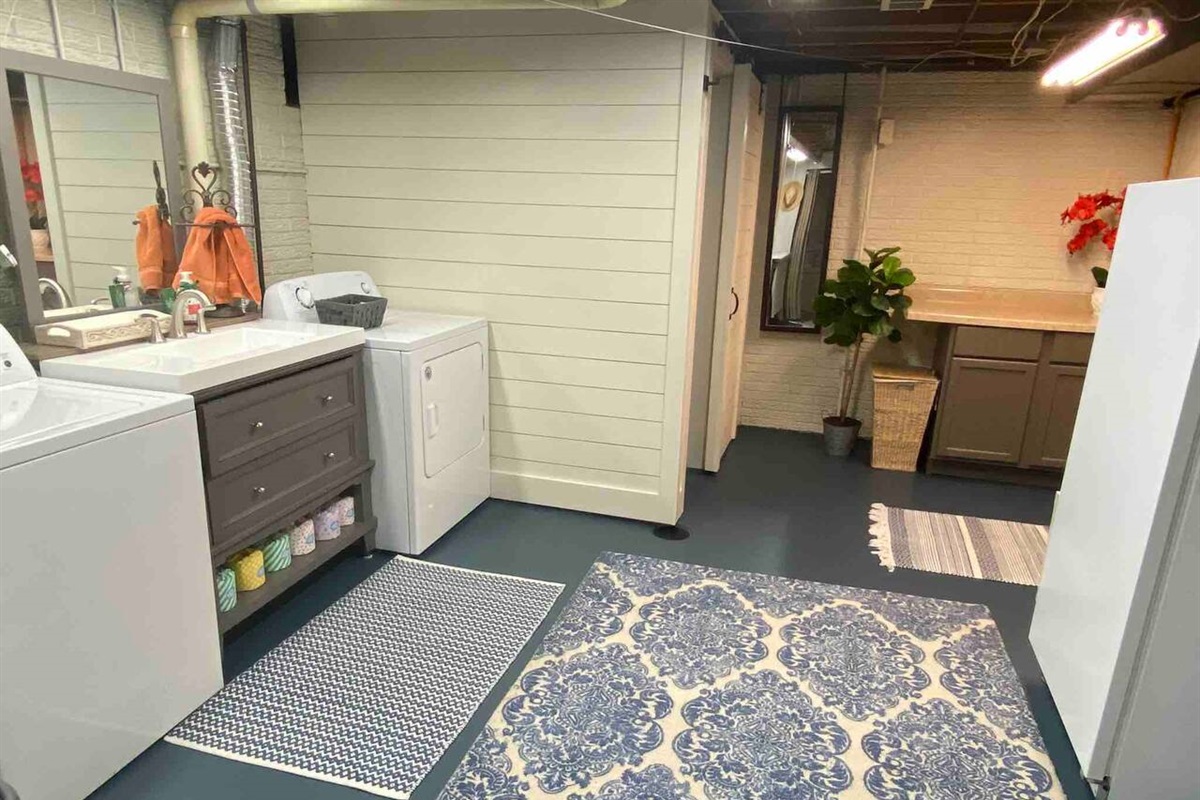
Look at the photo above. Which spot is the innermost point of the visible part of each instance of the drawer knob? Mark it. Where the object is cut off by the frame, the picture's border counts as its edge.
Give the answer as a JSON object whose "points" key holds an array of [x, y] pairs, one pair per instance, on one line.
{"points": [[331, 455], [327, 399], [260, 490], [258, 426]]}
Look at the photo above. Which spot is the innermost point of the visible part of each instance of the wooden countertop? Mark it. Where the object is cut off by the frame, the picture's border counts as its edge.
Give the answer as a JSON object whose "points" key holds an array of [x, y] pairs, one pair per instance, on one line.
{"points": [[1003, 308], [38, 353]]}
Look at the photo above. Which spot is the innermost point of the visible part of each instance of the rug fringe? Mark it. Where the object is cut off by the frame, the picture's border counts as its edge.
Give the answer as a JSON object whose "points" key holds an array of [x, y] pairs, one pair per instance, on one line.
{"points": [[881, 536]]}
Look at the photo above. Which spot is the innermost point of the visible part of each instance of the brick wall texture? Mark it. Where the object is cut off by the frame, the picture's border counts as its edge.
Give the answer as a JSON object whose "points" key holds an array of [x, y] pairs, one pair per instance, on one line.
{"points": [[971, 189], [279, 158]]}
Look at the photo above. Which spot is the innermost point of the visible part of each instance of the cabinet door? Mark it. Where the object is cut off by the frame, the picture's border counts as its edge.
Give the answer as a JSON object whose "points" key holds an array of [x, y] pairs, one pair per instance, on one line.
{"points": [[985, 409], [1052, 415]]}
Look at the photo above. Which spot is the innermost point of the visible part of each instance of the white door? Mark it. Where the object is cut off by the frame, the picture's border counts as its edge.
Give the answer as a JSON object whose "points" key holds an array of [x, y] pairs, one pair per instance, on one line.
{"points": [[716, 163], [1121, 487], [734, 264], [453, 405]]}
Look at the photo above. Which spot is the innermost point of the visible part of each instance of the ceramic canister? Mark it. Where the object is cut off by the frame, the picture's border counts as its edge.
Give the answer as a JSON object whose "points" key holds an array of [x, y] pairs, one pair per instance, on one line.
{"points": [[277, 552], [345, 508], [247, 567], [329, 524], [304, 538], [226, 589]]}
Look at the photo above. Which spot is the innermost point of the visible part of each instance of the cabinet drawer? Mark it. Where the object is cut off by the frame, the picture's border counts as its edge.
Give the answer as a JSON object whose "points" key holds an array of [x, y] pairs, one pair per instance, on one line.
{"points": [[1071, 348], [246, 425], [984, 409], [243, 499], [1016, 345]]}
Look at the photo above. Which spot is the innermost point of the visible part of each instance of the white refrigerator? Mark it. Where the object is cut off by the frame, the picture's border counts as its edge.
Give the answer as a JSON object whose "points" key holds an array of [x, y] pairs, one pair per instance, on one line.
{"points": [[1116, 627]]}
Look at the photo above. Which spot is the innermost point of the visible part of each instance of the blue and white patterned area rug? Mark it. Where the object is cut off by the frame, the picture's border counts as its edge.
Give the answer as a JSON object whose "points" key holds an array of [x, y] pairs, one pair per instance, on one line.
{"points": [[667, 681], [373, 690]]}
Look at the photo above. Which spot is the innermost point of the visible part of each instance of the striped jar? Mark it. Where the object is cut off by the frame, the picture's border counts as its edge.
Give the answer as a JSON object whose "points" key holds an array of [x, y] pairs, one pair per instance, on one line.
{"points": [[277, 552], [226, 589]]}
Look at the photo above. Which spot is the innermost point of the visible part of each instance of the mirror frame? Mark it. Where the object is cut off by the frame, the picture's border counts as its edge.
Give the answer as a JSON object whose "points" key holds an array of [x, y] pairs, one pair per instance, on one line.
{"points": [[765, 323], [168, 127]]}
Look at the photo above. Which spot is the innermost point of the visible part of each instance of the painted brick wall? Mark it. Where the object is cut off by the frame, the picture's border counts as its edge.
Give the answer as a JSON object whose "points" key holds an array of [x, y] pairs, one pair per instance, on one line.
{"points": [[88, 35], [1186, 162], [981, 166], [279, 158]]}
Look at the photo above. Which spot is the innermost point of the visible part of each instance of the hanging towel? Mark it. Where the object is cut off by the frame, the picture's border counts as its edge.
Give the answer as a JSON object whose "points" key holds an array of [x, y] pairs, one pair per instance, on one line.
{"points": [[154, 248], [220, 259]]}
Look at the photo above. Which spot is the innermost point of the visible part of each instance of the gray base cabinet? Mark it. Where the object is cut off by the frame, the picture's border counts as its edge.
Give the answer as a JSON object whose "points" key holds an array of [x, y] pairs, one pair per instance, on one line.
{"points": [[278, 447], [1009, 397]]}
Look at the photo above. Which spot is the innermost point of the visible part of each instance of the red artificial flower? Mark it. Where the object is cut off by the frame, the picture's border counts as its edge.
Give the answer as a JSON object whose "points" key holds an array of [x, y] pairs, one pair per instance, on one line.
{"points": [[1110, 238], [1085, 210], [31, 196], [31, 172]]}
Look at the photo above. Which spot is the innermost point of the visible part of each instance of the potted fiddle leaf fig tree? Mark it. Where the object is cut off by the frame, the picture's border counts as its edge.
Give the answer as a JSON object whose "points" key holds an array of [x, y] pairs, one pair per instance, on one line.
{"points": [[863, 299]]}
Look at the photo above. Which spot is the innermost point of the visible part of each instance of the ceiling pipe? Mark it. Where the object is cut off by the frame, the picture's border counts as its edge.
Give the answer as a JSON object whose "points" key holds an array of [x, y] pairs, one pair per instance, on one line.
{"points": [[189, 72]]}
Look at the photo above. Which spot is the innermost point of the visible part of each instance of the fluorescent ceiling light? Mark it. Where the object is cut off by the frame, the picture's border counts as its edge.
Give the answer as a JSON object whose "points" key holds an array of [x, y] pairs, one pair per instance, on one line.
{"points": [[1119, 40], [796, 154]]}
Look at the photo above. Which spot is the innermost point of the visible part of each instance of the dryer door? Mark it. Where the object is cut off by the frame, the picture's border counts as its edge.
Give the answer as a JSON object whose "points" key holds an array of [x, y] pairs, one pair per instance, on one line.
{"points": [[454, 400]]}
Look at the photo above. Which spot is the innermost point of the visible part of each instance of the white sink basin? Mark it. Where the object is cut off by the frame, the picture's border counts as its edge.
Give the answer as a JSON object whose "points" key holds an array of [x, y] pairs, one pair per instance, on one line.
{"points": [[201, 362]]}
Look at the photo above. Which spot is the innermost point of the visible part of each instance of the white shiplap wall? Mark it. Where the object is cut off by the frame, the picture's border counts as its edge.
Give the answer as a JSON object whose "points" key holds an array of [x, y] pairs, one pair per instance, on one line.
{"points": [[537, 168], [97, 145]]}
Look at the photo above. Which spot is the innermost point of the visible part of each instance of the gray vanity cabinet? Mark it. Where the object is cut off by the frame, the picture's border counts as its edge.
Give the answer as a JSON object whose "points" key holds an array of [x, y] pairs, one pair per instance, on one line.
{"points": [[277, 447], [1008, 400]]}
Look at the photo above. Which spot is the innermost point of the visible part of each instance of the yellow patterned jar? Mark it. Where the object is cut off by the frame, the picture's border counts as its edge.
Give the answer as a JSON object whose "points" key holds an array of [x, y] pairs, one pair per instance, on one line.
{"points": [[248, 569]]}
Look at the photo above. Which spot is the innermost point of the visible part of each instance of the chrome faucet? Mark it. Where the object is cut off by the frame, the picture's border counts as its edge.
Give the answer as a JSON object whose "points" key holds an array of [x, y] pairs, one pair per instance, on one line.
{"points": [[156, 334], [64, 299], [180, 308]]}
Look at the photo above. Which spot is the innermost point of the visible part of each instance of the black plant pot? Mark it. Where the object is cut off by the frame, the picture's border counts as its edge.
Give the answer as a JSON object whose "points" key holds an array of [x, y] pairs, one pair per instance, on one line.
{"points": [[840, 435]]}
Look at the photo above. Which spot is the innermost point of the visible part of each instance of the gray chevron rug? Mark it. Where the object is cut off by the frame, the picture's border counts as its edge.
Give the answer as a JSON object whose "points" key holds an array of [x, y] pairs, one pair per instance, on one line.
{"points": [[372, 691]]}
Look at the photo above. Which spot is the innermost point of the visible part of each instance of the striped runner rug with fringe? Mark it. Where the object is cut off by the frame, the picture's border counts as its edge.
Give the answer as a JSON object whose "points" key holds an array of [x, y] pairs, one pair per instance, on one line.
{"points": [[972, 547]]}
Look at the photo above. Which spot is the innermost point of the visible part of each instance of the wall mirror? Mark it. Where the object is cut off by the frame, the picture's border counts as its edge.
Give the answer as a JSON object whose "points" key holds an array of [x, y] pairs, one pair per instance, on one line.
{"points": [[85, 149], [806, 166]]}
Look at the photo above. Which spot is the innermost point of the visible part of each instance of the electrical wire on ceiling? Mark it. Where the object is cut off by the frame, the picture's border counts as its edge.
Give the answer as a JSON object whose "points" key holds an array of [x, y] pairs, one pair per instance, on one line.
{"points": [[730, 42], [1015, 59], [1022, 35], [1170, 13]]}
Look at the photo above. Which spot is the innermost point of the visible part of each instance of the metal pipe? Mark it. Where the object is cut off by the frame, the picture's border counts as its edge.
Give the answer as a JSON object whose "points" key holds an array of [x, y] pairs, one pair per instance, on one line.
{"points": [[225, 90], [866, 210], [116, 21], [56, 27], [189, 74]]}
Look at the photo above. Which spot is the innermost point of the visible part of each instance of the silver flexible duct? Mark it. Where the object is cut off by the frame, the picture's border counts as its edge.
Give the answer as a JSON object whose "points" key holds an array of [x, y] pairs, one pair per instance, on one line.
{"points": [[225, 86]]}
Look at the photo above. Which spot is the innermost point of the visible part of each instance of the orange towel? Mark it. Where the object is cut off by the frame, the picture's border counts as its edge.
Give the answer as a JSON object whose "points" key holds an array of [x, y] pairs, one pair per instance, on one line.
{"points": [[220, 259], [154, 248]]}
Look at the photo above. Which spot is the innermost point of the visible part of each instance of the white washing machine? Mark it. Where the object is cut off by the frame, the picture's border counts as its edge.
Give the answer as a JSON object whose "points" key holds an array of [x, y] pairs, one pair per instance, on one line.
{"points": [[427, 409], [108, 623]]}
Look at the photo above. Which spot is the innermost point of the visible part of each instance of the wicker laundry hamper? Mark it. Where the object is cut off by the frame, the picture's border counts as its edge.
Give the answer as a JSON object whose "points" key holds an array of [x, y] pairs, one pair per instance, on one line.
{"points": [[903, 399]]}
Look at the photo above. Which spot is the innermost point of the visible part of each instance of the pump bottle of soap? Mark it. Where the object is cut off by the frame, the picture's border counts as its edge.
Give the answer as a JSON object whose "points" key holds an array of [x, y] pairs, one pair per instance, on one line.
{"points": [[121, 291], [186, 281]]}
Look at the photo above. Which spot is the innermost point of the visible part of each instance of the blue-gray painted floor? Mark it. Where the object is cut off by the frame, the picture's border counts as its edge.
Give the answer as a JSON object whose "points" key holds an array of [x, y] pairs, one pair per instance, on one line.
{"points": [[778, 506]]}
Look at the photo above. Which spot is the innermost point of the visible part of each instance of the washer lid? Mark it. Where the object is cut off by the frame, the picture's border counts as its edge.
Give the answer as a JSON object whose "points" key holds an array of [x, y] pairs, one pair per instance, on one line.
{"points": [[295, 299], [412, 330], [43, 416]]}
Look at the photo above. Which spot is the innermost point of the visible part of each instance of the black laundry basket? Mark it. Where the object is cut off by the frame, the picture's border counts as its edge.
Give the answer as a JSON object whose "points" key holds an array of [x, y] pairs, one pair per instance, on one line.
{"points": [[356, 310]]}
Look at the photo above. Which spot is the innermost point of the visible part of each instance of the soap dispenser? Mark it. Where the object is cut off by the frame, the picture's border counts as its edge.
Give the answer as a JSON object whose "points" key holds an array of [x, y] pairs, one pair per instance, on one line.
{"points": [[192, 309], [121, 291]]}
